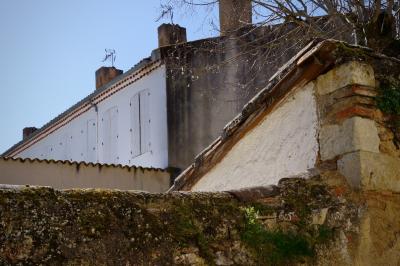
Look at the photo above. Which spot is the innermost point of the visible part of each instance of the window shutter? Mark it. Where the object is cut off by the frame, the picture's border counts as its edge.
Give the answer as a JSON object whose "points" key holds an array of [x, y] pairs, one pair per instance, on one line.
{"points": [[144, 121], [110, 133], [135, 125], [91, 134], [114, 135]]}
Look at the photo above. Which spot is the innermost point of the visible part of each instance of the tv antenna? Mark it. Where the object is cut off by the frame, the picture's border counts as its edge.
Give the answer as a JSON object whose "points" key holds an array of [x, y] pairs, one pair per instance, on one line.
{"points": [[110, 55]]}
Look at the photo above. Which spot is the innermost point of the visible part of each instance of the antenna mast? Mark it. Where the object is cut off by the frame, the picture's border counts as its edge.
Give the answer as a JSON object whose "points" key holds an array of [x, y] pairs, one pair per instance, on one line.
{"points": [[110, 55]]}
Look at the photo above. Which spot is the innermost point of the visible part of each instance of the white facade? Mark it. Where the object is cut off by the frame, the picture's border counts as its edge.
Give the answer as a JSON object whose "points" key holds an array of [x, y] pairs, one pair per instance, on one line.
{"points": [[284, 144], [129, 127]]}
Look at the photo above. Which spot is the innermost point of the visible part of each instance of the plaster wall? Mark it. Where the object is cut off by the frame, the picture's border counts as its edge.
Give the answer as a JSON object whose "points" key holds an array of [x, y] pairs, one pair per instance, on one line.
{"points": [[85, 138], [207, 89], [66, 176], [209, 81], [283, 144]]}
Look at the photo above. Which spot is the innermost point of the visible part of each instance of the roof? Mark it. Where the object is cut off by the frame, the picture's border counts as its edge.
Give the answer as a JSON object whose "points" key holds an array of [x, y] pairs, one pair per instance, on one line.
{"points": [[78, 164], [316, 58], [143, 68]]}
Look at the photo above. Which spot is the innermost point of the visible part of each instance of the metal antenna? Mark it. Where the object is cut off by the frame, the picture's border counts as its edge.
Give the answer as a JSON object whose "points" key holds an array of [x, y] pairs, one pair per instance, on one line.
{"points": [[110, 55]]}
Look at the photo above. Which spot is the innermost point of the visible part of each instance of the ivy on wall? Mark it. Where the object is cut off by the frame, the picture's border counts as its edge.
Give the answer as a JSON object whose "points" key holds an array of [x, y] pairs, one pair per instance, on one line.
{"points": [[388, 99]]}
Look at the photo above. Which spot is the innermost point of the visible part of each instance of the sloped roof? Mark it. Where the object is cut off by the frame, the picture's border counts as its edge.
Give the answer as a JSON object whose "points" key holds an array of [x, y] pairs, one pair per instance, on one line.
{"points": [[315, 59], [143, 68]]}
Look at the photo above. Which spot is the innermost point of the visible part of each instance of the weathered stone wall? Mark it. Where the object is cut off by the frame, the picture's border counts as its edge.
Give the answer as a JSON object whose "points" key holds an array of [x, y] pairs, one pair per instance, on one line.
{"points": [[356, 137], [310, 222]]}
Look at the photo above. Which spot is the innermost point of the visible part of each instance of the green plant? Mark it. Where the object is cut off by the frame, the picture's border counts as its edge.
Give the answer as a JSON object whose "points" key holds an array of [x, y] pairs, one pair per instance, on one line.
{"points": [[273, 247], [388, 99]]}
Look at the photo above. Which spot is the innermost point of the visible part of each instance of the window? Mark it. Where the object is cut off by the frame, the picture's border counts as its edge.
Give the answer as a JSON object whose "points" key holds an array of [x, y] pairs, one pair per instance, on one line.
{"points": [[91, 142], [140, 123], [110, 135]]}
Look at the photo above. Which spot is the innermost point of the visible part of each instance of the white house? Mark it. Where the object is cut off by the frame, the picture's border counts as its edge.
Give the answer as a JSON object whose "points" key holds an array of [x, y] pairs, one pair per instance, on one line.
{"points": [[123, 122]]}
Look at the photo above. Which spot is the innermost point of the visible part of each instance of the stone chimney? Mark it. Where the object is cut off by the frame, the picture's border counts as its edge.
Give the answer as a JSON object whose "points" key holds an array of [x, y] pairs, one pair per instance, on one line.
{"points": [[105, 75], [234, 14], [27, 131], [169, 34]]}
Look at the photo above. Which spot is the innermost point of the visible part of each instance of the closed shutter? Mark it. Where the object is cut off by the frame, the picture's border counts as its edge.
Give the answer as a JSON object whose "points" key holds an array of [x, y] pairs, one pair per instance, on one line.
{"points": [[144, 121], [114, 135], [91, 134], [110, 135], [135, 125], [106, 138]]}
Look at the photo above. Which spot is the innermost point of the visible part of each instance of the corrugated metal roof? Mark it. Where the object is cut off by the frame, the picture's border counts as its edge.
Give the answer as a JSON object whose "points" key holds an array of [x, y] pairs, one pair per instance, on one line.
{"points": [[148, 63], [75, 163]]}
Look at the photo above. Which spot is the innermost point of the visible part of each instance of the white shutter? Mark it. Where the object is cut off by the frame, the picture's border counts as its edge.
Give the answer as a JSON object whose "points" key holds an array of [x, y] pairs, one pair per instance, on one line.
{"points": [[80, 141], [91, 134], [114, 135], [110, 133], [135, 125], [106, 139], [144, 121], [66, 145]]}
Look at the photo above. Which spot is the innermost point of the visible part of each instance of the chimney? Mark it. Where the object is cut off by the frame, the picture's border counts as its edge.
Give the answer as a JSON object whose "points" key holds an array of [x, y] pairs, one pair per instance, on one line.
{"points": [[105, 75], [169, 34], [234, 14], [27, 131]]}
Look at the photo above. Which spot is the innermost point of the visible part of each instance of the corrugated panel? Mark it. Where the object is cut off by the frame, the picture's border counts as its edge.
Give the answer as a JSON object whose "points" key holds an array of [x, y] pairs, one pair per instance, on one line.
{"points": [[135, 125], [99, 165]]}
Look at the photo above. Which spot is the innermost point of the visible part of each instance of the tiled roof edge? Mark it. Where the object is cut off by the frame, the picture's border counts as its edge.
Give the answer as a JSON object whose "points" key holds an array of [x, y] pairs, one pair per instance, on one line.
{"points": [[63, 162]]}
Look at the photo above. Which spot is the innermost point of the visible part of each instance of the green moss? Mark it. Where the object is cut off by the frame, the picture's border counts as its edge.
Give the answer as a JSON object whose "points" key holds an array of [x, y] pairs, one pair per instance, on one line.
{"points": [[263, 209], [188, 231], [388, 99], [351, 53], [274, 247], [325, 234]]}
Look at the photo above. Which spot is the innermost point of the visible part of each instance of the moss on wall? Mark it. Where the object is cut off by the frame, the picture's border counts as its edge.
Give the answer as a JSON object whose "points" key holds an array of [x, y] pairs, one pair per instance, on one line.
{"points": [[101, 227]]}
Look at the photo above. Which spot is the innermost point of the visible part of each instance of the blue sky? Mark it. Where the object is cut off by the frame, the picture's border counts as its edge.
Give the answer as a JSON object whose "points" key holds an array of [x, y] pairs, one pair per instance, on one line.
{"points": [[50, 50]]}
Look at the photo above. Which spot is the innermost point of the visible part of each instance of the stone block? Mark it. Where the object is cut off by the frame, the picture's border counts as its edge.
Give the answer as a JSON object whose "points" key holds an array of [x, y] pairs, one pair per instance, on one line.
{"points": [[372, 171], [347, 74], [352, 135]]}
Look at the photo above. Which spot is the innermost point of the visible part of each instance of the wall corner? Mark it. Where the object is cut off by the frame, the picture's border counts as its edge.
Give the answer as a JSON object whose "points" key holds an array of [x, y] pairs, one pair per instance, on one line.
{"points": [[350, 128]]}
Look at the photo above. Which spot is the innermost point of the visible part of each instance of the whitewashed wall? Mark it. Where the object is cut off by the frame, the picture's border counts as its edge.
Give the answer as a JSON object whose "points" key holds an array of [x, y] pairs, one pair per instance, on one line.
{"points": [[107, 135], [283, 144]]}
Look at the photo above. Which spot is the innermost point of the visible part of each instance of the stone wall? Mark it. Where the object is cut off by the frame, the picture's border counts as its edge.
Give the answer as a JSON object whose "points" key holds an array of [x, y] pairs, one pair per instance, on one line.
{"points": [[319, 221], [355, 135]]}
